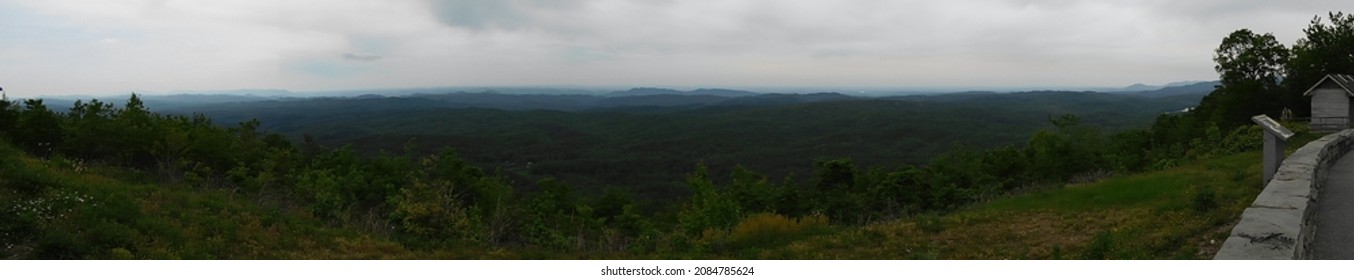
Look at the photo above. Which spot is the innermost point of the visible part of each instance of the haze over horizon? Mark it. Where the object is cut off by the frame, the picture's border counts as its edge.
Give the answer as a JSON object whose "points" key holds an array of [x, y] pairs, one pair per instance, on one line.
{"points": [[61, 47]]}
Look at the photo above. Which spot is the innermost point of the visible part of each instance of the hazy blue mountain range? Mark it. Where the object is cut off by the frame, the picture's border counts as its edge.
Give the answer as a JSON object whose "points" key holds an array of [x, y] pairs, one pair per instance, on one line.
{"points": [[567, 99], [636, 99], [1141, 88]]}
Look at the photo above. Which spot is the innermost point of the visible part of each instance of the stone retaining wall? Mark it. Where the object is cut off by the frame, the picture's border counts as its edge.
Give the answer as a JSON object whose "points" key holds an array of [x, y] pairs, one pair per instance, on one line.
{"points": [[1278, 225]]}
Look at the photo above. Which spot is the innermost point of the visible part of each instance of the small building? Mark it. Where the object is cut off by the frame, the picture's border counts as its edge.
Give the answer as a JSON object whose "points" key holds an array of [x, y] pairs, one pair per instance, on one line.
{"points": [[1331, 102]]}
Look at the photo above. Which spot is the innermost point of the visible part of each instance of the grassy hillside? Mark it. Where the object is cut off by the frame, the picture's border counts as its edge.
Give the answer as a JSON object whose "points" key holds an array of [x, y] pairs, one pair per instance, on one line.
{"points": [[1184, 212], [62, 209], [1179, 213]]}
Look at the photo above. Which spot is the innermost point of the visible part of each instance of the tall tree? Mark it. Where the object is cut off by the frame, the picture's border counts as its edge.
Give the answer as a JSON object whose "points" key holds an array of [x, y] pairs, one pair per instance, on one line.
{"points": [[38, 129], [9, 117], [138, 127], [1326, 49], [88, 128], [1250, 66], [1245, 56]]}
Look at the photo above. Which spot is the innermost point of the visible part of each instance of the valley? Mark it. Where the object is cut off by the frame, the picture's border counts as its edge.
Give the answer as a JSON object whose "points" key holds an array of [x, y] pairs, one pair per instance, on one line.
{"points": [[636, 139]]}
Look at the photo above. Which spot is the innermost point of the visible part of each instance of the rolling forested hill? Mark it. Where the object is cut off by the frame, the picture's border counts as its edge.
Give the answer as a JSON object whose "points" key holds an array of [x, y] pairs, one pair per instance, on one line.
{"points": [[646, 141]]}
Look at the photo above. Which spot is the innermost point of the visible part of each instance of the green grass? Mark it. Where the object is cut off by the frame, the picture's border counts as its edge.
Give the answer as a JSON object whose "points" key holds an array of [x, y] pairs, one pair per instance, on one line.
{"points": [[1163, 188], [56, 209], [1179, 213]]}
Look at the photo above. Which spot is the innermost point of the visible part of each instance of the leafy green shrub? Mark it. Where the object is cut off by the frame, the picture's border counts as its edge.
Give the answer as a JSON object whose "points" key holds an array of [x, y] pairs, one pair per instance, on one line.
{"points": [[550, 216], [1244, 138], [708, 208], [1204, 200], [432, 213], [327, 199]]}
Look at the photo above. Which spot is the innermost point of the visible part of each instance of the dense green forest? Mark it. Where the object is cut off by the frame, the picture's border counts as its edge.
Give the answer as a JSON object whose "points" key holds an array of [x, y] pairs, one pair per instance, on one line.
{"points": [[638, 148], [105, 181]]}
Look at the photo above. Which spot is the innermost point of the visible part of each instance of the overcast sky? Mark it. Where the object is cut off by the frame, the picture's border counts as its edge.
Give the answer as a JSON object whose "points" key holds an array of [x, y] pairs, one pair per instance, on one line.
{"points": [[107, 46]]}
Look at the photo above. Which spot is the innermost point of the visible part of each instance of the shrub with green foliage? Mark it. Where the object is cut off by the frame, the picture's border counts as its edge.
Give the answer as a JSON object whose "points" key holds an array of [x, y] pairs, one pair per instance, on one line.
{"points": [[550, 217], [1204, 200], [708, 208], [433, 209]]}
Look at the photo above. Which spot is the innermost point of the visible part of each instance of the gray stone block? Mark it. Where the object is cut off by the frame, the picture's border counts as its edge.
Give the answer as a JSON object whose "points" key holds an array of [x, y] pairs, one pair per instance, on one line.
{"points": [[1264, 234], [1241, 248], [1295, 171], [1259, 221], [1285, 195], [1278, 224]]}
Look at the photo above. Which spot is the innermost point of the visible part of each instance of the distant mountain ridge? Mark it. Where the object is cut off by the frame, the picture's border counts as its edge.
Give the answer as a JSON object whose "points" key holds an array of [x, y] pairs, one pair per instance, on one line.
{"points": [[1141, 87], [524, 102], [642, 91], [1174, 89], [641, 99], [1169, 87]]}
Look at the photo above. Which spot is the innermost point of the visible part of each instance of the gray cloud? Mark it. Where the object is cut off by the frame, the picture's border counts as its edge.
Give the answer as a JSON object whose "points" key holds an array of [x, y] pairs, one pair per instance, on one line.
{"points": [[698, 43], [494, 14], [361, 57], [475, 14]]}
